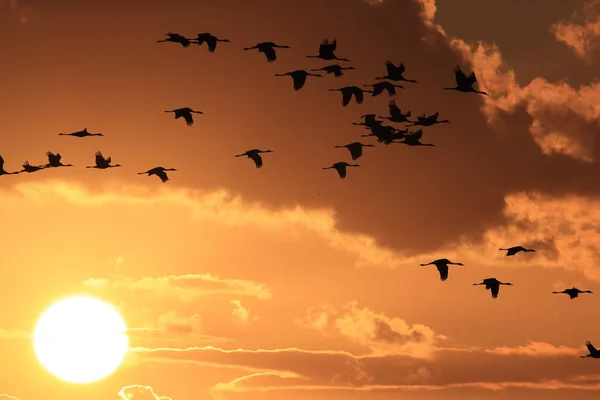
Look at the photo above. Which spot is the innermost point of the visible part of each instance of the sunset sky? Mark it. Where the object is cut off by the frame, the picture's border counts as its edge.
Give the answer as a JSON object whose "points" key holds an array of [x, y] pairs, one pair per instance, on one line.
{"points": [[287, 282]]}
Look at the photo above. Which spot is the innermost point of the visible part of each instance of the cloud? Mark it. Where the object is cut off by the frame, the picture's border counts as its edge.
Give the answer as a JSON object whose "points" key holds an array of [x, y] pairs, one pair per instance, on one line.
{"points": [[240, 314], [380, 334], [536, 349], [8, 396], [140, 392], [582, 38]]}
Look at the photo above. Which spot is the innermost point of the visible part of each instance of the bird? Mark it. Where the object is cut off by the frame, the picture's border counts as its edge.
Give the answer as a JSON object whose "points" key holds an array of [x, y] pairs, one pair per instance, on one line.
{"points": [[379, 87], [395, 73], [340, 167], [210, 39], [493, 284], [81, 134], [430, 120], [396, 115], [54, 161], [335, 69], [594, 353], [414, 139], [386, 134], [160, 172], [185, 113], [573, 292], [268, 49], [355, 149], [103, 163], [369, 121], [2, 171], [511, 251], [254, 154], [349, 91], [442, 266], [326, 51], [299, 77], [31, 168], [175, 38], [464, 83]]}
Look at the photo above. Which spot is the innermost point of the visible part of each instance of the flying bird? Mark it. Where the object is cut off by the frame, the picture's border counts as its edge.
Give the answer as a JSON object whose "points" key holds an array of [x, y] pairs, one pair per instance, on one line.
{"points": [[430, 120], [340, 167], [368, 121], [594, 353], [464, 83], [103, 163], [573, 292], [175, 38], [160, 172], [493, 284], [31, 168], [2, 171], [185, 113], [299, 77], [396, 114], [326, 51], [414, 139], [349, 91], [268, 49], [254, 154], [379, 87], [355, 149], [386, 134], [511, 251], [395, 73], [442, 266], [81, 134], [335, 69], [54, 161], [210, 39]]}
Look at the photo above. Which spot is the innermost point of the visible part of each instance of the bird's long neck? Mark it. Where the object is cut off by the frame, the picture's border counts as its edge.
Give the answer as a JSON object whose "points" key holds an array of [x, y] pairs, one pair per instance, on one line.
{"points": [[410, 80]]}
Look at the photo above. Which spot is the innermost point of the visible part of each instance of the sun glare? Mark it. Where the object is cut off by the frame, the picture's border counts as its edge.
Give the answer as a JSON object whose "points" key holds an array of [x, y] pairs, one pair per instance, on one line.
{"points": [[81, 339]]}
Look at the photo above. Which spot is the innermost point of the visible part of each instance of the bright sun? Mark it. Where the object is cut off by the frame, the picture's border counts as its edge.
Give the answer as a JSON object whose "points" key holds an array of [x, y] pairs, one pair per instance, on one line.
{"points": [[81, 339]]}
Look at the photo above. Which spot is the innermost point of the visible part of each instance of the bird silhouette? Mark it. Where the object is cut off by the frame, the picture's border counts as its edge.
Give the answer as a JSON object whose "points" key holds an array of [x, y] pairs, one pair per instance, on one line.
{"points": [[414, 139], [396, 115], [340, 167], [594, 353], [573, 292], [379, 87], [493, 284], [81, 134], [442, 266], [299, 77], [254, 154], [395, 73], [268, 49], [210, 39], [176, 38], [355, 149], [511, 251], [103, 163], [2, 171], [368, 121], [349, 91], [464, 83], [54, 161], [335, 69], [31, 168], [326, 51], [160, 172], [386, 134], [185, 113], [430, 120]]}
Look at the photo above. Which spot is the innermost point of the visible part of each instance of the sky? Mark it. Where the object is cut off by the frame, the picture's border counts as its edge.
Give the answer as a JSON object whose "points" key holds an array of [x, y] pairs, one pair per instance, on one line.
{"points": [[240, 283]]}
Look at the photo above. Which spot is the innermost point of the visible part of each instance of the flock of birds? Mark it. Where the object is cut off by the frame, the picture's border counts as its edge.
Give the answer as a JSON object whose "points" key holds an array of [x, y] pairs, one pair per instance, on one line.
{"points": [[384, 134]]}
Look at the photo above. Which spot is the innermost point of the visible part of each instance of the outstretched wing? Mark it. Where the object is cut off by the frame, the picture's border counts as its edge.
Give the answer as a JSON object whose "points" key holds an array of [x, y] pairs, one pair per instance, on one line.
{"points": [[461, 78], [434, 117], [256, 158], [99, 158], [299, 80], [355, 150], [590, 347], [270, 54], [472, 78], [341, 171], [188, 118], [394, 109], [1, 163], [346, 97], [391, 68], [212, 43], [401, 68], [359, 96], [162, 175], [443, 270], [495, 289]]}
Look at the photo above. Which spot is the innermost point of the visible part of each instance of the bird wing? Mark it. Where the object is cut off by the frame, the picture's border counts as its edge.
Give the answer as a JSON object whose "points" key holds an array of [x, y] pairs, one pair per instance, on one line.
{"points": [[108, 160], [495, 289], [461, 78], [472, 78], [418, 134], [299, 80], [162, 175], [590, 347], [443, 270], [341, 169], [434, 117], [270, 54], [1, 162], [401, 68], [256, 158], [355, 150], [337, 71], [391, 68], [394, 110], [212, 43], [188, 118], [99, 159], [346, 97], [58, 156], [333, 45], [359, 96]]}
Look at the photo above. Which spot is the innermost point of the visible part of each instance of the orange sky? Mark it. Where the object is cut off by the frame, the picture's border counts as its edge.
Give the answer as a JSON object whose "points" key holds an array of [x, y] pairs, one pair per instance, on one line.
{"points": [[247, 284]]}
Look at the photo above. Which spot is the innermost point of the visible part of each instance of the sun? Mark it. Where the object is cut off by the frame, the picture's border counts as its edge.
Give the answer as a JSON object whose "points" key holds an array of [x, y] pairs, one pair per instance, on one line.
{"points": [[80, 339]]}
